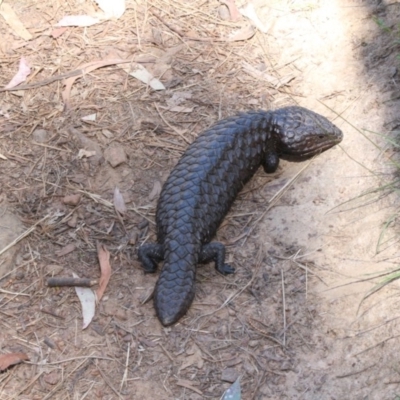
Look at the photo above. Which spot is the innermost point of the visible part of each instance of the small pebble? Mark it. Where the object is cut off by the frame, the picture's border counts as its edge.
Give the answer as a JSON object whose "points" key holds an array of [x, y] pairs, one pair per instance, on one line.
{"points": [[19, 275], [40, 135], [52, 378], [115, 155], [229, 375], [133, 237], [72, 199], [73, 221], [127, 338]]}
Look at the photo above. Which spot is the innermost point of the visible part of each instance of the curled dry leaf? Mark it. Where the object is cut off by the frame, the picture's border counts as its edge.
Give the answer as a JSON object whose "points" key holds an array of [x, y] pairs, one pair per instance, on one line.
{"points": [[23, 71], [104, 259], [155, 192], [88, 303], [119, 203], [245, 33], [6, 360]]}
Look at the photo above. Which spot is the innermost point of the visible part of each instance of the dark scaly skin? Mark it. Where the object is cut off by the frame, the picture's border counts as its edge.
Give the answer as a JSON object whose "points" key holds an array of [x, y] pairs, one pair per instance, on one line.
{"points": [[202, 187]]}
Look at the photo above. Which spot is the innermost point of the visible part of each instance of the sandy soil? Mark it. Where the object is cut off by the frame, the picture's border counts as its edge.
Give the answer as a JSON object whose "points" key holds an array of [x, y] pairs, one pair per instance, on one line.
{"points": [[292, 322]]}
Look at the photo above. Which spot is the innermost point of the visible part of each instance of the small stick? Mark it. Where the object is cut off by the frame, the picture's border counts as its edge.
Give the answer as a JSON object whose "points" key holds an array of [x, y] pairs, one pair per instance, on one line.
{"points": [[262, 332], [172, 127], [355, 372], [51, 312], [284, 308], [126, 367], [30, 383], [166, 352], [108, 382], [68, 281]]}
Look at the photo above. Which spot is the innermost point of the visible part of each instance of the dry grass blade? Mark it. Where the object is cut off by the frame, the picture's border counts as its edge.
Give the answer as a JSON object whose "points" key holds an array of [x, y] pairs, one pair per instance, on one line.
{"points": [[86, 68], [23, 235], [387, 279], [375, 276]]}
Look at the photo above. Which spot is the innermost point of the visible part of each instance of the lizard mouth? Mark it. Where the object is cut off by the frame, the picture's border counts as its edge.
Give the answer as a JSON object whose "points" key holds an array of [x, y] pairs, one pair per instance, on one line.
{"points": [[306, 152]]}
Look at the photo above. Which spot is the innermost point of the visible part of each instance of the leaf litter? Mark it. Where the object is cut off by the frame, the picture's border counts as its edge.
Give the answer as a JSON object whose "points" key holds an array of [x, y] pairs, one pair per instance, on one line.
{"points": [[24, 71], [204, 56], [7, 360]]}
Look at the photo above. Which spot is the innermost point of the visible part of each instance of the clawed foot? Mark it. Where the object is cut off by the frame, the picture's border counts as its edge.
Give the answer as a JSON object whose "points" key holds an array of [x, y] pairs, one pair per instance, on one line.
{"points": [[226, 269]]}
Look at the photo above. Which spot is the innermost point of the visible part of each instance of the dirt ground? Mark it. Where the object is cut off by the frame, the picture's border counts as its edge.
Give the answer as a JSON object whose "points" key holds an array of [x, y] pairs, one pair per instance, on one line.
{"points": [[290, 322]]}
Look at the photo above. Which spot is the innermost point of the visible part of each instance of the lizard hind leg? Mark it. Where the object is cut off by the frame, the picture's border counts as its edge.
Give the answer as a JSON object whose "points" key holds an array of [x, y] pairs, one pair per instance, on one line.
{"points": [[150, 254], [215, 251]]}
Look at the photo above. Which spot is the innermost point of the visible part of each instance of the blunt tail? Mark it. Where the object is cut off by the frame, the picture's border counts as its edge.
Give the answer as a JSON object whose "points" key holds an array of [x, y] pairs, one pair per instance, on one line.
{"points": [[175, 288]]}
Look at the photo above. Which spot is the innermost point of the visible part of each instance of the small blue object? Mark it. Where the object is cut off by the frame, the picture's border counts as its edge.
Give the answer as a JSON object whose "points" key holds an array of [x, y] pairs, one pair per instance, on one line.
{"points": [[233, 393]]}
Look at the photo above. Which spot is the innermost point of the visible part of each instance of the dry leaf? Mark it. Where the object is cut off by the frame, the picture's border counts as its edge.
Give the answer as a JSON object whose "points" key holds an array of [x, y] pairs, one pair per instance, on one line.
{"points": [[181, 109], [233, 10], [7, 12], [249, 12], [88, 303], [86, 153], [104, 259], [107, 133], [155, 192], [78, 20], [242, 34], [23, 71], [233, 392], [57, 32], [6, 360], [139, 72], [112, 8], [195, 358], [86, 68], [90, 117], [69, 248], [119, 203]]}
